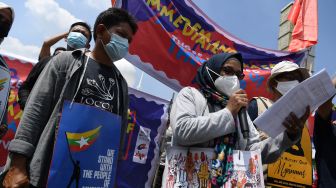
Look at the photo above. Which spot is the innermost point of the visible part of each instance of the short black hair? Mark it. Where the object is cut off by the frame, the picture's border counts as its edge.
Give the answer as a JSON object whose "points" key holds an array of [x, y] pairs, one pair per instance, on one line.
{"points": [[112, 17], [59, 49], [87, 26]]}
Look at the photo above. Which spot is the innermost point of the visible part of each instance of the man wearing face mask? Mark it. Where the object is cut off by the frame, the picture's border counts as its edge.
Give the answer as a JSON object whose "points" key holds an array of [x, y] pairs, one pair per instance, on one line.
{"points": [[90, 78], [79, 36], [284, 76], [207, 116], [6, 21]]}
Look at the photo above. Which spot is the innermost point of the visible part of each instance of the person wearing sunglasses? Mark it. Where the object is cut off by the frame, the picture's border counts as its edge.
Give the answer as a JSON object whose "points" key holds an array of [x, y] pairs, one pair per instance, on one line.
{"points": [[206, 116]]}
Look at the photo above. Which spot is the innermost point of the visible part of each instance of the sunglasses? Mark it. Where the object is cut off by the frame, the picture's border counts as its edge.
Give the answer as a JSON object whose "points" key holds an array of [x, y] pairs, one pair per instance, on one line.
{"points": [[229, 71]]}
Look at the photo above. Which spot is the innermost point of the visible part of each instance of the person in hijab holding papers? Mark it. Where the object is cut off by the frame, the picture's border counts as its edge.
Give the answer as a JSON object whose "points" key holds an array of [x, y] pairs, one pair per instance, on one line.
{"points": [[207, 116]]}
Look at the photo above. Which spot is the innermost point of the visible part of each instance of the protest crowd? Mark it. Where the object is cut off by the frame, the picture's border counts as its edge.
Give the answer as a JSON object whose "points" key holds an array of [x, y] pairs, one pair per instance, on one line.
{"points": [[214, 134]]}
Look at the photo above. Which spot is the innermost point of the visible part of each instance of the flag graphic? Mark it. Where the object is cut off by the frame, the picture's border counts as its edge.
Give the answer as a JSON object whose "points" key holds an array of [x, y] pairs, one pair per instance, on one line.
{"points": [[2, 82], [82, 141]]}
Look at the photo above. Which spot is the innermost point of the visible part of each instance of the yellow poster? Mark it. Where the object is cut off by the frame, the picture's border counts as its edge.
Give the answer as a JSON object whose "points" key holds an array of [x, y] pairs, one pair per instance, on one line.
{"points": [[294, 167]]}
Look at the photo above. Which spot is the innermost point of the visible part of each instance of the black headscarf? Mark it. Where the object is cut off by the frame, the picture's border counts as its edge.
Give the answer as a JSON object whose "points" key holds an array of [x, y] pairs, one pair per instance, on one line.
{"points": [[204, 78]]}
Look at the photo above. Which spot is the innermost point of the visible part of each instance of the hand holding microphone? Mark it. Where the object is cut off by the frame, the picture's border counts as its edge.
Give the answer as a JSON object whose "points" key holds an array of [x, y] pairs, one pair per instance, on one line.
{"points": [[237, 106], [230, 86], [237, 100]]}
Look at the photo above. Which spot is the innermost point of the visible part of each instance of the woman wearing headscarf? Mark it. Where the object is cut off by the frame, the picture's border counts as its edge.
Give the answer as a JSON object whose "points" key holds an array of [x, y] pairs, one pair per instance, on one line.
{"points": [[207, 116]]}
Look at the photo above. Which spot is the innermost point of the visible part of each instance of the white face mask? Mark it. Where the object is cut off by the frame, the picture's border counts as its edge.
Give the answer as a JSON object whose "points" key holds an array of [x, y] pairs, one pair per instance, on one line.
{"points": [[226, 84], [284, 87]]}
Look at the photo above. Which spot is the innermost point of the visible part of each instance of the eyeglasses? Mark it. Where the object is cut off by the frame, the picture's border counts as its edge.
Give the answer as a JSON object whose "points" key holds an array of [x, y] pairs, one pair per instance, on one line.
{"points": [[229, 71]]}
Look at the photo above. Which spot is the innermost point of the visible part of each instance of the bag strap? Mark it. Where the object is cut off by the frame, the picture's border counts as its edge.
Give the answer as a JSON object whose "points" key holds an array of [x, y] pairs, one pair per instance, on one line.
{"points": [[263, 104]]}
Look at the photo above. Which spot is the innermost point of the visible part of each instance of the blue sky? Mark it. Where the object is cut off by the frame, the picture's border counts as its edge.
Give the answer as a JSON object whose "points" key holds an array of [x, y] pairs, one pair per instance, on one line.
{"points": [[256, 22]]}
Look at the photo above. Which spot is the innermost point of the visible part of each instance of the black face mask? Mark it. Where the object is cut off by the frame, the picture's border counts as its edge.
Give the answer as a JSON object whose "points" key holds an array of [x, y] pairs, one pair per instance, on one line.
{"points": [[4, 27]]}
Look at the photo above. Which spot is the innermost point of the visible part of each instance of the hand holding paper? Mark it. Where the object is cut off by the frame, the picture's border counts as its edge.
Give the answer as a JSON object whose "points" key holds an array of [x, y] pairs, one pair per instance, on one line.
{"points": [[312, 92], [294, 125]]}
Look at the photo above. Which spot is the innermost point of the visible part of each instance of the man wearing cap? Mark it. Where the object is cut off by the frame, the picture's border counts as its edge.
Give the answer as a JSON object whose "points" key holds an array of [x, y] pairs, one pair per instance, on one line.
{"points": [[6, 21], [284, 76]]}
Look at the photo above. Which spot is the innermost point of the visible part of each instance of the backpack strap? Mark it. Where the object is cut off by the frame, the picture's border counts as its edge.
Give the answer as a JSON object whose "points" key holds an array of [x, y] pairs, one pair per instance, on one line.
{"points": [[263, 104]]}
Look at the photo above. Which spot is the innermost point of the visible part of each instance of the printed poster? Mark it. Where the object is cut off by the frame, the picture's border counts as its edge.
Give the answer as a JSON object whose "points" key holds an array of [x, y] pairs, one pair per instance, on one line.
{"points": [[188, 167], [294, 167], [86, 148], [247, 170], [192, 167], [147, 122]]}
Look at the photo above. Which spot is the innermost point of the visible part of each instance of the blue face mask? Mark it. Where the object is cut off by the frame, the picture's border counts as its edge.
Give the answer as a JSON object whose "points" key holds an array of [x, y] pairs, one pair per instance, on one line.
{"points": [[117, 48], [76, 40]]}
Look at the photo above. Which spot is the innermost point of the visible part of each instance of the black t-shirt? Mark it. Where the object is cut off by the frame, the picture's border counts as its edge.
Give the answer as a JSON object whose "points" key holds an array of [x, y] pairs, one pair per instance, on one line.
{"points": [[99, 87], [30, 81], [325, 143]]}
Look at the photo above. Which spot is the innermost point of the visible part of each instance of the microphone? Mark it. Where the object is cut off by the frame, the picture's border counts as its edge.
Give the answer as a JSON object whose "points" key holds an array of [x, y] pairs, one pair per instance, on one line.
{"points": [[244, 127]]}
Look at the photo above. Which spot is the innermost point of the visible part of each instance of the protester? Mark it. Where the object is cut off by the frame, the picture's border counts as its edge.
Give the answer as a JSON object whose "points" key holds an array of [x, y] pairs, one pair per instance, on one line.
{"points": [[79, 37], [31, 149], [325, 142], [6, 21], [284, 76], [207, 116]]}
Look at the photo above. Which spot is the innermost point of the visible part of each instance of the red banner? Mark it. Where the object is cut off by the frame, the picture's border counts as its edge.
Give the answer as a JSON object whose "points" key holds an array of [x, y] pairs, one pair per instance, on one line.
{"points": [[175, 37]]}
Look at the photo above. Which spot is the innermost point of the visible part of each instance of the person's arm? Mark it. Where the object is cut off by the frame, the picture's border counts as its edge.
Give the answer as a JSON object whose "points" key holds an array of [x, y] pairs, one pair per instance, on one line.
{"points": [[35, 116], [190, 128], [272, 148], [17, 174], [45, 50]]}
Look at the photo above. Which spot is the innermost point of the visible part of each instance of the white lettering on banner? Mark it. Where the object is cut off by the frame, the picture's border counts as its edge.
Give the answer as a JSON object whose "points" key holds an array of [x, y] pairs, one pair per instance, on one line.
{"points": [[87, 174], [105, 159], [105, 169]]}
